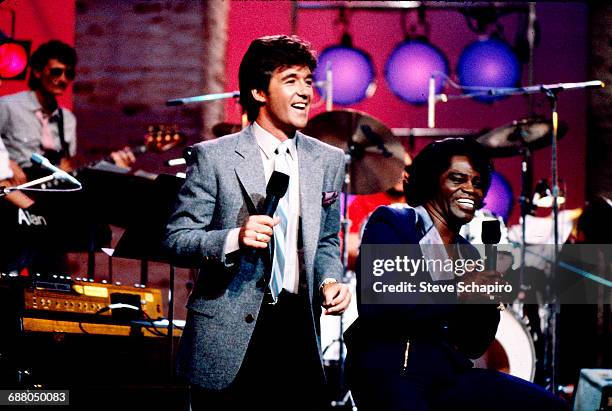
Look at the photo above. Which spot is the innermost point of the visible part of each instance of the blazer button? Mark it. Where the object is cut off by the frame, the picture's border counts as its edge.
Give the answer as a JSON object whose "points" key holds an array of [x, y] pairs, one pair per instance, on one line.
{"points": [[249, 318]]}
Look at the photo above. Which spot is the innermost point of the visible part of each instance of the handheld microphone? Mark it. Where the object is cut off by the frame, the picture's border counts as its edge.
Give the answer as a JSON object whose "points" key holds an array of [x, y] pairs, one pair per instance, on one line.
{"points": [[490, 235], [275, 190], [57, 172]]}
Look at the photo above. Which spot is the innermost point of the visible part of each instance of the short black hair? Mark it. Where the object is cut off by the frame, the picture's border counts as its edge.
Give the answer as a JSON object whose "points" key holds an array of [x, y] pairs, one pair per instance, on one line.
{"points": [[262, 58], [53, 49], [427, 167]]}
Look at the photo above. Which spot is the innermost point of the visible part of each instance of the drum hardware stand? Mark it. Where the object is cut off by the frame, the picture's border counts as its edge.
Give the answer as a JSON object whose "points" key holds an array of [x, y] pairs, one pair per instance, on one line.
{"points": [[552, 359], [525, 201], [352, 151], [345, 222]]}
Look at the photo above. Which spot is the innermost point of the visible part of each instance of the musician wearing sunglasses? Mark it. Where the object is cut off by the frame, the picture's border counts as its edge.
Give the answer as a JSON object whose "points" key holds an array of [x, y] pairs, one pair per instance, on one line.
{"points": [[33, 122]]}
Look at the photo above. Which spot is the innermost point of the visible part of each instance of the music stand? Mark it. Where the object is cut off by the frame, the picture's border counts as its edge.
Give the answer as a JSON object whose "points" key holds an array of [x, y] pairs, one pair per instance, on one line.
{"points": [[144, 236]]}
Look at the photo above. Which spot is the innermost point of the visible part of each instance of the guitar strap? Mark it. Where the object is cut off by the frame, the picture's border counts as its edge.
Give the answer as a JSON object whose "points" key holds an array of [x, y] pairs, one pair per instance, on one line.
{"points": [[60, 128]]}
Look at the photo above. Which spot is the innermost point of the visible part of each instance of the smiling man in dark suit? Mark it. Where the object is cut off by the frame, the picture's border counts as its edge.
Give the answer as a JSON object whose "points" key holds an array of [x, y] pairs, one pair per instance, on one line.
{"points": [[415, 354], [251, 338]]}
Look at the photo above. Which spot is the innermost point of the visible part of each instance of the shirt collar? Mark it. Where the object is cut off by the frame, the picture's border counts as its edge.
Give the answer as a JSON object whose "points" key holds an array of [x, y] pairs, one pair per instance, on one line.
{"points": [[268, 143], [34, 104], [427, 224], [424, 218]]}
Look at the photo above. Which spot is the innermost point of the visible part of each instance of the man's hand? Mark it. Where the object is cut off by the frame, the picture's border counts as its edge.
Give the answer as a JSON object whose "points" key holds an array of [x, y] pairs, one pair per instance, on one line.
{"points": [[257, 231], [336, 298], [123, 158], [485, 277], [17, 197], [68, 164], [19, 176]]}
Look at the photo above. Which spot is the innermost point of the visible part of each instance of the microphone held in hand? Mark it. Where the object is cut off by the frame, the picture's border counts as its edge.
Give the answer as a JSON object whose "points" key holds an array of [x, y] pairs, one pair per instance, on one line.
{"points": [[57, 172], [275, 190], [491, 234]]}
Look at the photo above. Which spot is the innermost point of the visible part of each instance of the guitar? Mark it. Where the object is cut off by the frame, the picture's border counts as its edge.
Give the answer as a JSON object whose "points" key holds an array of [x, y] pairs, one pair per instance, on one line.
{"points": [[157, 139]]}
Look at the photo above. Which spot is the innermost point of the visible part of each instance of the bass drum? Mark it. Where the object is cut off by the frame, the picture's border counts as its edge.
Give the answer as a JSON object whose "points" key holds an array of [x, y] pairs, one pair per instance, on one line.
{"points": [[513, 351]]}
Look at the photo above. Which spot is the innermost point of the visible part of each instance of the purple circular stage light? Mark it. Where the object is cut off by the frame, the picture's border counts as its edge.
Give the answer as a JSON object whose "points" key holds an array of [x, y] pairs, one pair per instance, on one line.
{"points": [[499, 198], [488, 63], [409, 68], [352, 74]]}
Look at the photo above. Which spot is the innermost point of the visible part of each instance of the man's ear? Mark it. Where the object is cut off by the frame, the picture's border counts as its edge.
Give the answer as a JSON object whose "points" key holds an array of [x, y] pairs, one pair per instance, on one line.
{"points": [[259, 95], [36, 73]]}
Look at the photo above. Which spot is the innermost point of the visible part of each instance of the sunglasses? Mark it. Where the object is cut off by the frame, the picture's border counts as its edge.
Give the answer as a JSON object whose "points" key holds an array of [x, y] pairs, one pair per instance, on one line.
{"points": [[57, 72]]}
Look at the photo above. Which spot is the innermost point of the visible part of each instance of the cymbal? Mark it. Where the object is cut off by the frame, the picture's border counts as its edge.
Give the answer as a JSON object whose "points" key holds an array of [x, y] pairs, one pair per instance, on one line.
{"points": [[509, 139], [377, 155]]}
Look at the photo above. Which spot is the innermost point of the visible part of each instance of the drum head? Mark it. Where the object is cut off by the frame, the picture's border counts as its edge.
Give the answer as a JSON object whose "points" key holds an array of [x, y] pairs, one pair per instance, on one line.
{"points": [[512, 351]]}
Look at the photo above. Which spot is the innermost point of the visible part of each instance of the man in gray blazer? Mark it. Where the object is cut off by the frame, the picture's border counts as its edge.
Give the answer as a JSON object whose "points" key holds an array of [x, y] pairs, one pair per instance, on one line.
{"points": [[252, 332]]}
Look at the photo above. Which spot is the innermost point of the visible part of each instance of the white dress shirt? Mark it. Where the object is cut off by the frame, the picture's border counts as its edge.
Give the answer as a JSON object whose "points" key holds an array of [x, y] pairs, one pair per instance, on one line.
{"points": [[267, 145]]}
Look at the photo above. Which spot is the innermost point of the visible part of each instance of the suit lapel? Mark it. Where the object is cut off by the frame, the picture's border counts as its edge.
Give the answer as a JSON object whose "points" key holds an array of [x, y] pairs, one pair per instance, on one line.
{"points": [[311, 183], [249, 169]]}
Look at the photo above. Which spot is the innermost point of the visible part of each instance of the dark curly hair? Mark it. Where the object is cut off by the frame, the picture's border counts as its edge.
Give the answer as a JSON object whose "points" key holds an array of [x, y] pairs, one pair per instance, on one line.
{"points": [[265, 55], [53, 49], [427, 167]]}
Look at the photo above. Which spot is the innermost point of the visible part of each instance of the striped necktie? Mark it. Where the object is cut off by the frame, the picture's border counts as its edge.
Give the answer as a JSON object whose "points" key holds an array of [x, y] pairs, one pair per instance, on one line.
{"points": [[282, 164]]}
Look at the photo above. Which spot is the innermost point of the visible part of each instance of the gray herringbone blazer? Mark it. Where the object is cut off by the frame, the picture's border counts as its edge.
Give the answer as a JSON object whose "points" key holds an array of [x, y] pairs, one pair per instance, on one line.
{"points": [[224, 185]]}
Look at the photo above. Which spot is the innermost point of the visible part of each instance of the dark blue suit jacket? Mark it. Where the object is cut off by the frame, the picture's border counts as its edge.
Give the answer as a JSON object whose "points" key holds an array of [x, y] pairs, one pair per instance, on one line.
{"points": [[443, 337]]}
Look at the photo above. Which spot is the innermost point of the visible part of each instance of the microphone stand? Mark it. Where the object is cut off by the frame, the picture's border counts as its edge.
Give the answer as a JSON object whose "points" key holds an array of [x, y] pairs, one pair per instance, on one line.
{"points": [[4, 191], [526, 207], [204, 97], [553, 308], [347, 398]]}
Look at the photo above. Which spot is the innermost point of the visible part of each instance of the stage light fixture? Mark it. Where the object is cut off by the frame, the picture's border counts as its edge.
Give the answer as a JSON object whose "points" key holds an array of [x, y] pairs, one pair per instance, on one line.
{"points": [[499, 198], [352, 70], [14, 57], [488, 63], [410, 66], [14, 54]]}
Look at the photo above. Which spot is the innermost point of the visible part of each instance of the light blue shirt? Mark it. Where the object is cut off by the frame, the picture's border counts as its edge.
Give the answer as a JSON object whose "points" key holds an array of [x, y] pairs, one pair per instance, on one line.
{"points": [[21, 130]]}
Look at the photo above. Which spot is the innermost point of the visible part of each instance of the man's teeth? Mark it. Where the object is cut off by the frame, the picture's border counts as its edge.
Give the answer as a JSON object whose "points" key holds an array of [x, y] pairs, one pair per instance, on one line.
{"points": [[466, 202], [300, 106]]}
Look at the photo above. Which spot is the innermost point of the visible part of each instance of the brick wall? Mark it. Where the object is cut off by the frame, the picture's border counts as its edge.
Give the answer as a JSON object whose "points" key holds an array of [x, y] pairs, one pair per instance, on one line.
{"points": [[599, 142], [133, 56]]}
